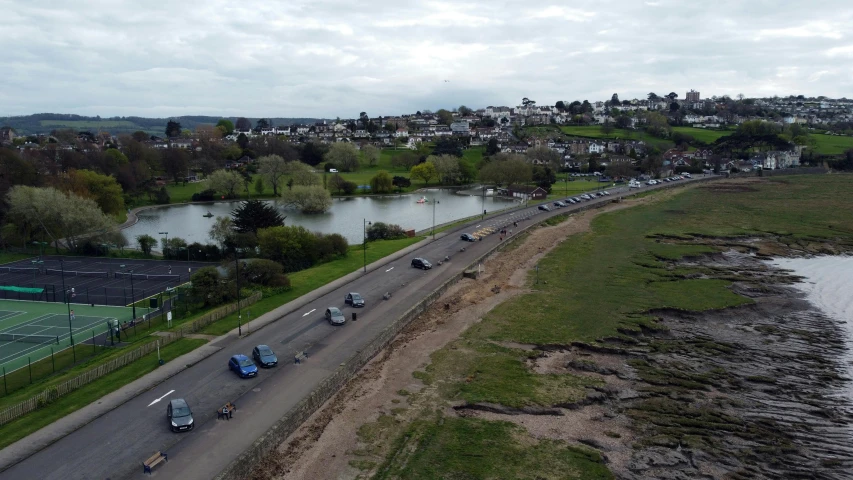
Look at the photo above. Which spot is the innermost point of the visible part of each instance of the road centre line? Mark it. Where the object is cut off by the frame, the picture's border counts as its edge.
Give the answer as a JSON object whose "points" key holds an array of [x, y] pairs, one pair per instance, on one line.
{"points": [[392, 268], [309, 313]]}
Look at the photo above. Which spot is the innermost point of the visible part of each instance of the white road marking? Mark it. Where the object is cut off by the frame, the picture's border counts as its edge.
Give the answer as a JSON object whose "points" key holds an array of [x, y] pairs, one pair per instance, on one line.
{"points": [[392, 268], [161, 398], [309, 313]]}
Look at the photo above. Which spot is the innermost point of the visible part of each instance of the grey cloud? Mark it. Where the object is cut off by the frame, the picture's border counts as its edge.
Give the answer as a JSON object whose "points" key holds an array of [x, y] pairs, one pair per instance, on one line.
{"points": [[334, 58]]}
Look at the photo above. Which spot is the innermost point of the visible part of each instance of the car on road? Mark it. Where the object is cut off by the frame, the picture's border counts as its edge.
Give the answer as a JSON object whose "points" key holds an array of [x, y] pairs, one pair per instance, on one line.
{"points": [[634, 184], [354, 299], [468, 237], [687, 175], [421, 263], [544, 208], [264, 356], [243, 366], [334, 316], [180, 415], [606, 192]]}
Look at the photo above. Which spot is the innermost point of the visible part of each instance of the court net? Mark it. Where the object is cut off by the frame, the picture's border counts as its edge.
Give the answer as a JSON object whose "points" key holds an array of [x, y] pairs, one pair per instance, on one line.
{"points": [[76, 273], [18, 270], [19, 337], [142, 276]]}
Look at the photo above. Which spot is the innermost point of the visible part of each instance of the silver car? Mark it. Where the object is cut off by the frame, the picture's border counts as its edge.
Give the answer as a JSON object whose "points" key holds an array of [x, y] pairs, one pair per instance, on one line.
{"points": [[334, 316]]}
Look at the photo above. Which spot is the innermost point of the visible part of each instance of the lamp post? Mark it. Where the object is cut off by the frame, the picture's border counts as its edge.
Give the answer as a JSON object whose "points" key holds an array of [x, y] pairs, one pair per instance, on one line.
{"points": [[132, 294], [165, 246], [433, 217], [37, 264], [239, 313], [364, 243], [70, 328], [41, 246]]}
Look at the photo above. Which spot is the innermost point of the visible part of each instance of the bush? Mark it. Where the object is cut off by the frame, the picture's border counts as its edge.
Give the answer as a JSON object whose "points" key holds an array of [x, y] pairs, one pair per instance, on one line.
{"points": [[204, 196], [163, 196], [349, 187], [385, 231], [258, 271], [331, 246]]}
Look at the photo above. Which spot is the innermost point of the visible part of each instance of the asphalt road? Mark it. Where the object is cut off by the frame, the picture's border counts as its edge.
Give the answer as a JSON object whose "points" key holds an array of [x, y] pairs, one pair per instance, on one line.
{"points": [[114, 445]]}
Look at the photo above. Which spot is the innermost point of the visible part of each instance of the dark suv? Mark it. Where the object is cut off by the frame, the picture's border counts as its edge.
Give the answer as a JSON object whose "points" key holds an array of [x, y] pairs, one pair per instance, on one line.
{"points": [[421, 263]]}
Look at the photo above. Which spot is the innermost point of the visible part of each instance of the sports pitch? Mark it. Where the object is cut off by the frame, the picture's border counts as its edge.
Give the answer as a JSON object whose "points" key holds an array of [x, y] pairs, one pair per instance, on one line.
{"points": [[31, 331]]}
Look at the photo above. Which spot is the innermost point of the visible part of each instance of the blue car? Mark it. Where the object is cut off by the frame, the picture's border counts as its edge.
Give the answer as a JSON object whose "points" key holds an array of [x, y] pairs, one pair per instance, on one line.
{"points": [[243, 366]]}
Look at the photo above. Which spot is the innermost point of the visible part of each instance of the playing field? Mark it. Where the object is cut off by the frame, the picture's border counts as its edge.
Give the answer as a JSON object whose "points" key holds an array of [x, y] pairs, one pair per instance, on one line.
{"points": [[30, 331]]}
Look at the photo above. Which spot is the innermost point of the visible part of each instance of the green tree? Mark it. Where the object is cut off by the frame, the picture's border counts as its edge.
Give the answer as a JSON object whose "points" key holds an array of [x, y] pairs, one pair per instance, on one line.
{"points": [[272, 168], [293, 247], [49, 214], [607, 127], [227, 182], [208, 286], [464, 111], [344, 155], [146, 243], [446, 168], [253, 215], [313, 199], [370, 154], [115, 159], [492, 147], [544, 156], [243, 124], [444, 116], [544, 177], [226, 125], [424, 172], [173, 129], [382, 182], [448, 146], [302, 174], [614, 100], [175, 163], [103, 189], [259, 185], [313, 153], [401, 182], [163, 197], [222, 232]]}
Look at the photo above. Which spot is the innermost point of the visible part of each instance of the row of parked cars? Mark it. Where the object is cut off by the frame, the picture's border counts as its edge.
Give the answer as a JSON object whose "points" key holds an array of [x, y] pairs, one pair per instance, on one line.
{"points": [[668, 179], [573, 200]]}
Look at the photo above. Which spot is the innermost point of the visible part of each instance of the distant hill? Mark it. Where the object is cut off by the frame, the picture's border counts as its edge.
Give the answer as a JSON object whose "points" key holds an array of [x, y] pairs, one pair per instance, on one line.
{"points": [[47, 122]]}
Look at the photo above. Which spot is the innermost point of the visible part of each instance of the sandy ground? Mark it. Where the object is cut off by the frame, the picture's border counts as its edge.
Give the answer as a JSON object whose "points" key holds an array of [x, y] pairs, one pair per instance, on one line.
{"points": [[321, 447]]}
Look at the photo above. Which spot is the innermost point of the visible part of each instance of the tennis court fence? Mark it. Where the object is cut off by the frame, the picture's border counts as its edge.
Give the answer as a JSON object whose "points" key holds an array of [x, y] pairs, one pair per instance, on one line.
{"points": [[54, 393], [20, 337]]}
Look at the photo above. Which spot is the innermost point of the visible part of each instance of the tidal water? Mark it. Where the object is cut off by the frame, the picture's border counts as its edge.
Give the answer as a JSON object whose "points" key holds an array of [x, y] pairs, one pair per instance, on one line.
{"points": [[828, 285]]}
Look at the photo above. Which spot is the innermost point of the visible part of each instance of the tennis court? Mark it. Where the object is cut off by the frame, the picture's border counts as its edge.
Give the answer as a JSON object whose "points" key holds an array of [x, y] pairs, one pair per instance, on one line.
{"points": [[92, 280], [31, 331]]}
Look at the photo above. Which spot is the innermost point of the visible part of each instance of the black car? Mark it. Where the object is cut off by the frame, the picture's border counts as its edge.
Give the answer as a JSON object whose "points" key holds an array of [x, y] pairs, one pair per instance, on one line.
{"points": [[354, 299], [468, 237], [264, 356], [179, 415], [559, 204], [421, 263], [544, 208]]}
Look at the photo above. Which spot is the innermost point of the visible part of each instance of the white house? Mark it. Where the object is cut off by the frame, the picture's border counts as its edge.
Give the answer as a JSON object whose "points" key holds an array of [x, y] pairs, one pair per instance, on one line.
{"points": [[595, 147]]}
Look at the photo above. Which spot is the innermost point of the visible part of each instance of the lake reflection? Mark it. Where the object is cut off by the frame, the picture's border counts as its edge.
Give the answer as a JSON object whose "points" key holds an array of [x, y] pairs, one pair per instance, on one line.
{"points": [[345, 216]]}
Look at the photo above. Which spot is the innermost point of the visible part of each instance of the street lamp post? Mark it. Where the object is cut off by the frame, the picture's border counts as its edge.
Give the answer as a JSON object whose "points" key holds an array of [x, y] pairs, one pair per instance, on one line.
{"points": [[239, 313], [433, 217], [364, 243], [70, 328], [132, 294], [166, 246]]}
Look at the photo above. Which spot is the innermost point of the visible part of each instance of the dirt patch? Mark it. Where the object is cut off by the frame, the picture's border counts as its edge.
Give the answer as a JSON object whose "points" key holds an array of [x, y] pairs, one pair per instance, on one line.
{"points": [[328, 445]]}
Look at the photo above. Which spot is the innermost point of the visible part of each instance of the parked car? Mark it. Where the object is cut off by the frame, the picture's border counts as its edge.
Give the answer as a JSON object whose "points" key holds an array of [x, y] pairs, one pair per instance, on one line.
{"points": [[559, 204], [576, 199], [243, 366], [606, 192], [354, 299], [264, 356], [544, 208], [334, 316], [651, 182], [468, 237], [333, 170], [585, 196], [687, 175], [179, 415], [421, 263], [571, 200]]}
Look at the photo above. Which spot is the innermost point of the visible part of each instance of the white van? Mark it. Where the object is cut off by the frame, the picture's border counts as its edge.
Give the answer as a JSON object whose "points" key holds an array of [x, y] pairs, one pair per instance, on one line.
{"points": [[634, 184], [333, 170]]}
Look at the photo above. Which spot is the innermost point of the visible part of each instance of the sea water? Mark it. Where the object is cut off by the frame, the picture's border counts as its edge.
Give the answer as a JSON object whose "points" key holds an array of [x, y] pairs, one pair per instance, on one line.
{"points": [[828, 286]]}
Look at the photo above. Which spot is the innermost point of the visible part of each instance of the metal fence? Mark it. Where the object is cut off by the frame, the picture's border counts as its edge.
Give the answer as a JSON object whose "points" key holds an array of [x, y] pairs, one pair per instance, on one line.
{"points": [[53, 393]]}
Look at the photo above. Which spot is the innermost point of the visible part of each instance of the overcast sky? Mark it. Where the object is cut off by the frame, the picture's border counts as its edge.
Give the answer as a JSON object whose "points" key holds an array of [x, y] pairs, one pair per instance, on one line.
{"points": [[330, 58]]}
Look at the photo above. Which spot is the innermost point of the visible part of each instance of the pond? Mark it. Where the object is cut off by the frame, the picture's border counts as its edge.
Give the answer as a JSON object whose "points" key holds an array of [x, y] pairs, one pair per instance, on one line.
{"points": [[345, 217]]}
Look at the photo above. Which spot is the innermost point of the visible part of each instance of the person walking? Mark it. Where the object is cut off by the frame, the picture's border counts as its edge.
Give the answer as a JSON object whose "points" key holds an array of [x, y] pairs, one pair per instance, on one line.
{"points": [[72, 315]]}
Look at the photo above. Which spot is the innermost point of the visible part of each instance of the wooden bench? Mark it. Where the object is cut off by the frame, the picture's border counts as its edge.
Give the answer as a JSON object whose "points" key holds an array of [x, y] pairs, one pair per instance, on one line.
{"points": [[299, 357], [220, 412], [153, 461]]}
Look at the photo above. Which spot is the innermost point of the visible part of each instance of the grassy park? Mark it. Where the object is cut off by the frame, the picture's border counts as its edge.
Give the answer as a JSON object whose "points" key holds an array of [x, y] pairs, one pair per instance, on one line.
{"points": [[593, 286]]}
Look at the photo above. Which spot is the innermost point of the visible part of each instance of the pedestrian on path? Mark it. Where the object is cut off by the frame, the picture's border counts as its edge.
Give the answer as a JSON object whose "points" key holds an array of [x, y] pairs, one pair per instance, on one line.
{"points": [[170, 269], [72, 315]]}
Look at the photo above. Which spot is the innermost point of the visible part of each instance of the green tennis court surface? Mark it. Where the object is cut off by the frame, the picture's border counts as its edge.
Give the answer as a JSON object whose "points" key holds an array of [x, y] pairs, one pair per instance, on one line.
{"points": [[29, 331]]}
